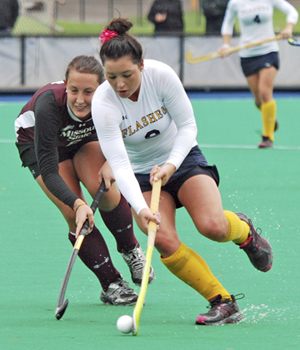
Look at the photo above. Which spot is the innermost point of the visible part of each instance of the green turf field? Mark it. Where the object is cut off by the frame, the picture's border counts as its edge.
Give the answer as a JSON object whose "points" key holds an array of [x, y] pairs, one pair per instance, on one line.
{"points": [[34, 250]]}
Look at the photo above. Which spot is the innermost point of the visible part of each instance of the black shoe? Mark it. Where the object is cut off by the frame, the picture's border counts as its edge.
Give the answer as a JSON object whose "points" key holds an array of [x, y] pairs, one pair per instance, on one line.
{"points": [[256, 247], [266, 143], [221, 312]]}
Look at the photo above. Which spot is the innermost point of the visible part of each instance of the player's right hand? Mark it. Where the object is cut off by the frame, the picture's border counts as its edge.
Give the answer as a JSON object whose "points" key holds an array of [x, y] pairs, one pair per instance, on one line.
{"points": [[82, 213], [224, 50]]}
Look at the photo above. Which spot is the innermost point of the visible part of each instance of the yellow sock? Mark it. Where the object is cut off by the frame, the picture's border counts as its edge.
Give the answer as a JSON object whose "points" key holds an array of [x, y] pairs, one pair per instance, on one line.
{"points": [[238, 229], [268, 111], [190, 268]]}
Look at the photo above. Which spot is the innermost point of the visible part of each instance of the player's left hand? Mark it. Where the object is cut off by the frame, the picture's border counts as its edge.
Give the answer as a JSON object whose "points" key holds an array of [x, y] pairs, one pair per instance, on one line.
{"points": [[287, 31], [146, 216], [165, 172]]}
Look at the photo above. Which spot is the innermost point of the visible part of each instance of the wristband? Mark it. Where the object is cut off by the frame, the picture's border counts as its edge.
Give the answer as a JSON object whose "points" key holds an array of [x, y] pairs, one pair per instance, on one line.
{"points": [[79, 205]]}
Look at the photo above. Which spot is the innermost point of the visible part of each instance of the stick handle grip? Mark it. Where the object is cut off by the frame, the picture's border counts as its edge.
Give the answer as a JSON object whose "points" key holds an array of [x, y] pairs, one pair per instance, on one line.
{"points": [[154, 205]]}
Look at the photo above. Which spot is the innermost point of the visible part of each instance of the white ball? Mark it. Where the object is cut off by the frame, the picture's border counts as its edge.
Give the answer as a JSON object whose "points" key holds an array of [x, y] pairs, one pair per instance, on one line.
{"points": [[125, 324]]}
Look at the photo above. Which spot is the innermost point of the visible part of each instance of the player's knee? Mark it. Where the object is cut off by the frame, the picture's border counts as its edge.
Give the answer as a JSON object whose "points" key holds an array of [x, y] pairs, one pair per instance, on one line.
{"points": [[215, 229], [266, 95], [166, 243], [110, 199]]}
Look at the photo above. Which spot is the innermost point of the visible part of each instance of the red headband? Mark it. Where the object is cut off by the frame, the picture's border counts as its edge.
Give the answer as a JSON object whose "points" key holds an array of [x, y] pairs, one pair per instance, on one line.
{"points": [[106, 35]]}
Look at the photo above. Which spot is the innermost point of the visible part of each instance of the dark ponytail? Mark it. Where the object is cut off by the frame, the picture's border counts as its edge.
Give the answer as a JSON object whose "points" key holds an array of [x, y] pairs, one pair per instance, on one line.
{"points": [[120, 43]]}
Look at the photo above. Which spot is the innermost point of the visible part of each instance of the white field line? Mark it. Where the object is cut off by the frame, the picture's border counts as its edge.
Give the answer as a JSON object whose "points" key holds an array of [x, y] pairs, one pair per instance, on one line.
{"points": [[7, 141], [286, 148], [200, 145]]}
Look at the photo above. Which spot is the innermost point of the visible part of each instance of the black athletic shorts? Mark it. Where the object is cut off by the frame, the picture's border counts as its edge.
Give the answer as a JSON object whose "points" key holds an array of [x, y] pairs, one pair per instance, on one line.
{"points": [[252, 65], [28, 157], [194, 164]]}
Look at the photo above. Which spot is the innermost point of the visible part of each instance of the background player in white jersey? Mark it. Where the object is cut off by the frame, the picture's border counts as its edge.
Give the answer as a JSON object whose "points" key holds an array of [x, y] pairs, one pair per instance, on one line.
{"points": [[57, 141], [260, 63], [144, 119]]}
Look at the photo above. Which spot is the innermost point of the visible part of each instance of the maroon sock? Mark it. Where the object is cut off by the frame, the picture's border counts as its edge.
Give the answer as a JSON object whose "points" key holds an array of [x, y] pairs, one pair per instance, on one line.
{"points": [[119, 222], [95, 255]]}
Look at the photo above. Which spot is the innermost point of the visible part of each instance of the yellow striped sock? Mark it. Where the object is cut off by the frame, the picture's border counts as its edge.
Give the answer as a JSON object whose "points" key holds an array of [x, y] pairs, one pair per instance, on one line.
{"points": [[190, 268]]}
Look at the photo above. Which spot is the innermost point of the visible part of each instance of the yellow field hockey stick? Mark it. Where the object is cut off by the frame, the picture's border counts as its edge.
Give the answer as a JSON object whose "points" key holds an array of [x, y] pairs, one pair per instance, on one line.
{"points": [[190, 59], [150, 247]]}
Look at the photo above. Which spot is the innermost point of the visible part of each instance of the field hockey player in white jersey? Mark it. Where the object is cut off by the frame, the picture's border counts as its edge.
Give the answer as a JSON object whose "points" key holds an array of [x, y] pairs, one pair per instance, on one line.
{"points": [[260, 63], [144, 120]]}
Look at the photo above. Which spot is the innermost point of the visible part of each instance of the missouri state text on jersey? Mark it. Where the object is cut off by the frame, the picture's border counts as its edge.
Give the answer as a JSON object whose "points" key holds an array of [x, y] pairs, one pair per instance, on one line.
{"points": [[59, 119], [75, 133]]}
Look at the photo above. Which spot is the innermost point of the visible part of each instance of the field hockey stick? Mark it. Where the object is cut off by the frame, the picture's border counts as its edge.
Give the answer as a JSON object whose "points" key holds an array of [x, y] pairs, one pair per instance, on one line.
{"points": [[293, 42], [152, 228], [61, 304], [190, 59]]}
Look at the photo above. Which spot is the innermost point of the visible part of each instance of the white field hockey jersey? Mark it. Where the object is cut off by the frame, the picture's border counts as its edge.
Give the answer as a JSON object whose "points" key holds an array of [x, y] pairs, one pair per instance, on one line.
{"points": [[256, 23], [159, 128]]}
